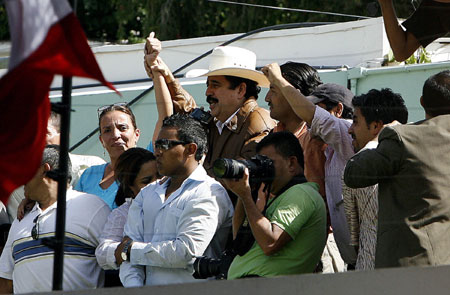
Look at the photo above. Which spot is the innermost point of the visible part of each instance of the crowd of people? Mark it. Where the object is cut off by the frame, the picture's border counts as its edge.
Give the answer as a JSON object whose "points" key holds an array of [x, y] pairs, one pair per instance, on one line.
{"points": [[324, 181]]}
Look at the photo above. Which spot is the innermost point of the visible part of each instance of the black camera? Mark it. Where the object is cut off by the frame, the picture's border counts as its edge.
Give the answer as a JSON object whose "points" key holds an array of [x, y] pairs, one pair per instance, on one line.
{"points": [[205, 267], [201, 116], [260, 168]]}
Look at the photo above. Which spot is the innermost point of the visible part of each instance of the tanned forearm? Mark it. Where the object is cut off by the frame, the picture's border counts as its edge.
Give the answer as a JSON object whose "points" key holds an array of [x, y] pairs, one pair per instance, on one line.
{"points": [[403, 43], [6, 286]]}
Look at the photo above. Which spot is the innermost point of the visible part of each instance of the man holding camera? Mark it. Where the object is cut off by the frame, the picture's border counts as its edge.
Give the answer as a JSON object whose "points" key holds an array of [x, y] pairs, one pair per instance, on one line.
{"points": [[292, 224]]}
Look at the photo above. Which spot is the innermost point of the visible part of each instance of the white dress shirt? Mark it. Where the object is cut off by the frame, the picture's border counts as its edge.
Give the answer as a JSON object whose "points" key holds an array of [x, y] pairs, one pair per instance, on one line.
{"points": [[169, 234], [334, 132], [111, 236]]}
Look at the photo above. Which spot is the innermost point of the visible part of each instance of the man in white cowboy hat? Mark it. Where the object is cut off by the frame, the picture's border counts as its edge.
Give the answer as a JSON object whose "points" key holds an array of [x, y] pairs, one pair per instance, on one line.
{"points": [[233, 85]]}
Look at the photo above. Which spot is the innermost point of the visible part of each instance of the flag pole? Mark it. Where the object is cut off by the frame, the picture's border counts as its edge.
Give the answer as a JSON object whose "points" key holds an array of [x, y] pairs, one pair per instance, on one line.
{"points": [[64, 109]]}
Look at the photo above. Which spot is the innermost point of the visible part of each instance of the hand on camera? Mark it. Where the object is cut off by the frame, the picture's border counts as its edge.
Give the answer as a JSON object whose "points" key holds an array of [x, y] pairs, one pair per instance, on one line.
{"points": [[240, 187]]}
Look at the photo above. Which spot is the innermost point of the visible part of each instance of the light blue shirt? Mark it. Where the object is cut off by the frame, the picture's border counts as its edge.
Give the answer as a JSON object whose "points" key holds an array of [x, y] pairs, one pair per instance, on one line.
{"points": [[90, 183], [195, 220]]}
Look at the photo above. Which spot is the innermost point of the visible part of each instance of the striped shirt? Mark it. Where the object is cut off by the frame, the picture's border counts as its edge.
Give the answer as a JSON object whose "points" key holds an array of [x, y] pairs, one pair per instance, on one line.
{"points": [[29, 263]]}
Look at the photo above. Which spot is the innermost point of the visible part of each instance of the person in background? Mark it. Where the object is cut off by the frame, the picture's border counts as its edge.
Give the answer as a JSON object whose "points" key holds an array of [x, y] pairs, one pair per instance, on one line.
{"points": [[135, 169], [373, 110], [118, 133], [327, 111], [79, 164], [430, 21], [410, 166], [26, 264]]}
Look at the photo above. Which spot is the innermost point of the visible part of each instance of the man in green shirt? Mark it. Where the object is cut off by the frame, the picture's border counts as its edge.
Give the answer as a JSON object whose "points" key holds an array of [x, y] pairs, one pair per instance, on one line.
{"points": [[290, 233]]}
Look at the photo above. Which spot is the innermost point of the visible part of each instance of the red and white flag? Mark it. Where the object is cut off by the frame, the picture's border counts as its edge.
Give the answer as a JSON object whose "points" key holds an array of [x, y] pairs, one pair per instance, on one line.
{"points": [[46, 39]]}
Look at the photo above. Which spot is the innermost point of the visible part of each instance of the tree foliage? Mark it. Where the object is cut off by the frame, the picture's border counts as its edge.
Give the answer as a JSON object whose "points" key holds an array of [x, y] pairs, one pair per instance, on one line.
{"points": [[130, 21]]}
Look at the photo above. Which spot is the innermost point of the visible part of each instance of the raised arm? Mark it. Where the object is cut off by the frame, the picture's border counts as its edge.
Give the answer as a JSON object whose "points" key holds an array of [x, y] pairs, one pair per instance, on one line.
{"points": [[302, 107], [403, 43], [181, 99]]}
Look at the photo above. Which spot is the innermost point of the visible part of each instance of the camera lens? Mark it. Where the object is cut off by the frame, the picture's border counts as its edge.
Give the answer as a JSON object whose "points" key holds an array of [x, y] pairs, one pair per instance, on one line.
{"points": [[228, 168]]}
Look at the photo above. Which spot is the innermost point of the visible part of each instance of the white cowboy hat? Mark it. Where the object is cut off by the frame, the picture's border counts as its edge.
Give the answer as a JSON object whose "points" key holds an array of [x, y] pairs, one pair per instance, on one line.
{"points": [[232, 61]]}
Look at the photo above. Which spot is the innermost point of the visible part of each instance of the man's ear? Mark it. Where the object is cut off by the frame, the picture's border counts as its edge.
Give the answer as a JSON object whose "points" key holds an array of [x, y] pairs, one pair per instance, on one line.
{"points": [[191, 149], [293, 165], [375, 127], [242, 90], [339, 110], [45, 168]]}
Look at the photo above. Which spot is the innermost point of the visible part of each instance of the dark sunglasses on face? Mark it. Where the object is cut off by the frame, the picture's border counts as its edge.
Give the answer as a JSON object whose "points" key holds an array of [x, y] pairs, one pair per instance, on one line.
{"points": [[100, 110], [35, 229], [166, 144]]}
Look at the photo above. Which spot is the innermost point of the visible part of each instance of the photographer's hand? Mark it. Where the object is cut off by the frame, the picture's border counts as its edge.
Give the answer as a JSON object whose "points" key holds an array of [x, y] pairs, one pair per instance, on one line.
{"points": [[270, 237]]}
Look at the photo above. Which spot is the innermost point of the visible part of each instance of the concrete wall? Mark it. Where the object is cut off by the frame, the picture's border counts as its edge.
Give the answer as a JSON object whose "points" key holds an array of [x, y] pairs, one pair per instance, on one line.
{"points": [[399, 281]]}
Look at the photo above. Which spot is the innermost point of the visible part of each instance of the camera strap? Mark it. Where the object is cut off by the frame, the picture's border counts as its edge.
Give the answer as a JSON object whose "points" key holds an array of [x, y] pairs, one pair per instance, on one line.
{"points": [[299, 179]]}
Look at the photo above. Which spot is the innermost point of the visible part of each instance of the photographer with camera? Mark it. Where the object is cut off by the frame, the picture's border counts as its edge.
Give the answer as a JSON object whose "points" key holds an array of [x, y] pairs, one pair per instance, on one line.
{"points": [[292, 224]]}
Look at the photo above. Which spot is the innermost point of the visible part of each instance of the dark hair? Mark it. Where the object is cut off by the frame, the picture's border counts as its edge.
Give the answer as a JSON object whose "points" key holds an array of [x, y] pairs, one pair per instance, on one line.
{"points": [[347, 113], [127, 168], [302, 76], [252, 87], [51, 157], [436, 94], [55, 118], [188, 130], [285, 143], [381, 105], [120, 108]]}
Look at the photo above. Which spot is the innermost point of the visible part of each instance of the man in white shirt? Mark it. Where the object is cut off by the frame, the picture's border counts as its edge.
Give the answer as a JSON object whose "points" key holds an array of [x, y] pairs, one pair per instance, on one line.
{"points": [[172, 222], [27, 263]]}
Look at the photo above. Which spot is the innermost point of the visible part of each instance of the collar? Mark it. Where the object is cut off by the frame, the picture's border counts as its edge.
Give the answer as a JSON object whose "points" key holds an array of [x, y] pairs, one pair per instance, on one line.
{"points": [[236, 121], [220, 125], [199, 174]]}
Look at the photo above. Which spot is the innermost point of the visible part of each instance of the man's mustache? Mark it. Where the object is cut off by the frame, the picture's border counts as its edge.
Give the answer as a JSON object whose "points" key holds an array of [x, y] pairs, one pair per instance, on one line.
{"points": [[210, 99]]}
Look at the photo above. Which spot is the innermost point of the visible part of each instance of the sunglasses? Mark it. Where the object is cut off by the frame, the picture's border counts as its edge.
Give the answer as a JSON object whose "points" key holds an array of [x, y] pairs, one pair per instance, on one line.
{"points": [[166, 144], [100, 110], [35, 229]]}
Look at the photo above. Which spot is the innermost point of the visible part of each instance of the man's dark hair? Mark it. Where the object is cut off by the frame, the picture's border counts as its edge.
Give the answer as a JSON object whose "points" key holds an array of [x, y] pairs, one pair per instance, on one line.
{"points": [[252, 87], [285, 143], [347, 113], [127, 168], [302, 76], [51, 157], [436, 94], [189, 130], [381, 105]]}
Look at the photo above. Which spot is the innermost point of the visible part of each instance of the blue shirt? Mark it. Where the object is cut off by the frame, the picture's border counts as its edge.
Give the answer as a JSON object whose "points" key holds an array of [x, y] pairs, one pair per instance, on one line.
{"points": [[90, 183]]}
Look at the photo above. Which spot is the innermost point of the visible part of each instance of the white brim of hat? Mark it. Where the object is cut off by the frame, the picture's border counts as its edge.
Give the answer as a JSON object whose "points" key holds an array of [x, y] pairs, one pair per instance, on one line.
{"points": [[253, 75]]}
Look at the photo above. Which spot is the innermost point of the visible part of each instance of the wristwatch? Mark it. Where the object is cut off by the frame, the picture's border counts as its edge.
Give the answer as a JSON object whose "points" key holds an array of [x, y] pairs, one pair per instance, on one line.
{"points": [[124, 254]]}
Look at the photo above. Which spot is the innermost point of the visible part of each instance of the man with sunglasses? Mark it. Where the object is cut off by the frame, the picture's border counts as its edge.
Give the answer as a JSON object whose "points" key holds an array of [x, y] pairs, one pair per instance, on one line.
{"points": [[172, 222], [27, 262]]}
